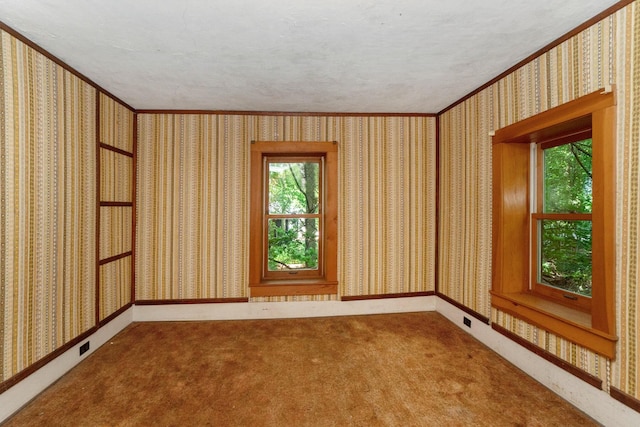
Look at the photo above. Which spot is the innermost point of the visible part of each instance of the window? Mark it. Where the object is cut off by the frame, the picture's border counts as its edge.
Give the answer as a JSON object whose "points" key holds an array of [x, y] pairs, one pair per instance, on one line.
{"points": [[561, 228], [293, 218], [554, 221]]}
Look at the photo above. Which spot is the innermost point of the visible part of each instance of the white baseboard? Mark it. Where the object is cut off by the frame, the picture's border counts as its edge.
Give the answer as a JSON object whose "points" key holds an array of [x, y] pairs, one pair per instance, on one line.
{"points": [[598, 404], [280, 310], [20, 394]]}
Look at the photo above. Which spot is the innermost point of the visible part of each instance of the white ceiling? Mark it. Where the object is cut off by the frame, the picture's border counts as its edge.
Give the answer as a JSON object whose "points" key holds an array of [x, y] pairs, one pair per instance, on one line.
{"points": [[294, 55]]}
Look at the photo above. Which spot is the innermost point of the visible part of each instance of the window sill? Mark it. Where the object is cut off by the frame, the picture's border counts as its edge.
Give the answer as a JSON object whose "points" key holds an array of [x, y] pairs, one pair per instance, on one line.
{"points": [[569, 323], [275, 288]]}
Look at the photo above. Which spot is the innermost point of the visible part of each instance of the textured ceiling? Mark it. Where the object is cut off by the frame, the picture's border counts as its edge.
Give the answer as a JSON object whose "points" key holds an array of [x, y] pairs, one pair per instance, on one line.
{"points": [[294, 55]]}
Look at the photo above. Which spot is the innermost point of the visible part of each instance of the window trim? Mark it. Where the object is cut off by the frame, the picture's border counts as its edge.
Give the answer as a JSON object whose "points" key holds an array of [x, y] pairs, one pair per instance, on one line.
{"points": [[326, 283], [512, 215]]}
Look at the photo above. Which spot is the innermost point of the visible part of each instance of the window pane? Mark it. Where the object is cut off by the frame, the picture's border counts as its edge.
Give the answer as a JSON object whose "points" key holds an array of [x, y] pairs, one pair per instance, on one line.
{"points": [[293, 244], [565, 255], [293, 187], [567, 178]]}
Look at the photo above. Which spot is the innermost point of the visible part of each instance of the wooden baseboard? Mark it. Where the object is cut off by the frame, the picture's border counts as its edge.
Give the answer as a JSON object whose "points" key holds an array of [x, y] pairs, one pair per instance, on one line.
{"points": [[464, 308], [625, 399], [189, 301], [46, 359], [384, 296], [114, 315]]}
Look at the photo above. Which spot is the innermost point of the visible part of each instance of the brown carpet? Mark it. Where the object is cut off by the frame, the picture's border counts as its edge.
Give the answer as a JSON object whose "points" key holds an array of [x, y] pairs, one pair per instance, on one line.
{"points": [[414, 369]]}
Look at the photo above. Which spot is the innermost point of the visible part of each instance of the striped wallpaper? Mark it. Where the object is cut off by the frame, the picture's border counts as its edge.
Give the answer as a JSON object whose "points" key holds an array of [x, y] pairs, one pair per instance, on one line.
{"points": [[193, 197], [116, 222], [115, 289], [115, 230], [116, 124], [627, 368], [116, 177], [48, 206], [606, 53], [193, 202]]}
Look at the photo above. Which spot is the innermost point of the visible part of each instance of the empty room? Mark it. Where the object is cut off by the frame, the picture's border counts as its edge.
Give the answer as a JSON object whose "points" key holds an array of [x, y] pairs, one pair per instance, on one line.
{"points": [[319, 213]]}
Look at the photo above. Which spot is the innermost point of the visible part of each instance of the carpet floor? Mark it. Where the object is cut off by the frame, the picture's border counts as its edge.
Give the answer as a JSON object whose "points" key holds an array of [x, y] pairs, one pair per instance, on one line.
{"points": [[409, 369]]}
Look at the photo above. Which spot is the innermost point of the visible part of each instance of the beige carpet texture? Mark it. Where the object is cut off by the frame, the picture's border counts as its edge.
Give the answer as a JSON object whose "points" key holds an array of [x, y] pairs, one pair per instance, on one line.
{"points": [[410, 369]]}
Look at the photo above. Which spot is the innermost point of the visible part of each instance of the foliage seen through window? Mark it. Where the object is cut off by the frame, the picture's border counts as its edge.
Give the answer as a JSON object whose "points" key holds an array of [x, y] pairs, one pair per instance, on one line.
{"points": [[294, 215], [565, 244]]}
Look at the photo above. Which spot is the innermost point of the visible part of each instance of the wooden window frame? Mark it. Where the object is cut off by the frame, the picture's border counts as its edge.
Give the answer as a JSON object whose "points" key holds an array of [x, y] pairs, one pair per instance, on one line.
{"points": [[325, 280], [286, 275], [512, 246]]}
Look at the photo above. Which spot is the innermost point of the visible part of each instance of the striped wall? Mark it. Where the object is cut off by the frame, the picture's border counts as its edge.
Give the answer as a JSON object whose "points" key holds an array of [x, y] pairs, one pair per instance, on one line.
{"points": [[606, 53], [193, 202], [116, 176], [116, 124], [192, 177], [627, 368], [115, 276], [115, 286], [115, 230], [48, 206]]}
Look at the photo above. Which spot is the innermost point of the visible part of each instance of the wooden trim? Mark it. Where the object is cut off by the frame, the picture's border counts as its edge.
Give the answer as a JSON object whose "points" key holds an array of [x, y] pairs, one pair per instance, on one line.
{"points": [[436, 272], [115, 98], [609, 11], [61, 63], [624, 398], [464, 308], [116, 204], [190, 301], [115, 149], [8, 383], [269, 290], [283, 113], [115, 258], [562, 216], [294, 147], [255, 217], [294, 286], [565, 116], [318, 272], [576, 136], [331, 215], [571, 324], [5, 385], [604, 219], [98, 212], [511, 231], [560, 296], [134, 198], [599, 17], [510, 262], [584, 376], [386, 296], [293, 216], [539, 178], [115, 314]]}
